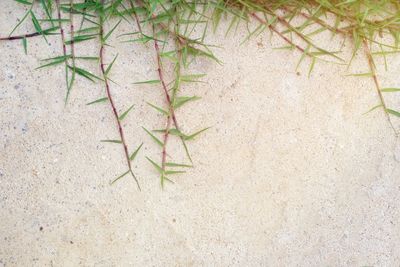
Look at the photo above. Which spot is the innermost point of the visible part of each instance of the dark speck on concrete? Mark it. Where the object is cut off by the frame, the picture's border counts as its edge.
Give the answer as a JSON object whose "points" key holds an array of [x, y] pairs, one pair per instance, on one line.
{"points": [[24, 128], [41, 228]]}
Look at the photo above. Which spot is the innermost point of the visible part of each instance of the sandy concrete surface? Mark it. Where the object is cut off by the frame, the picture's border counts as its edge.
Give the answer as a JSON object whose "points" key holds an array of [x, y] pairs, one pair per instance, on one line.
{"points": [[290, 174]]}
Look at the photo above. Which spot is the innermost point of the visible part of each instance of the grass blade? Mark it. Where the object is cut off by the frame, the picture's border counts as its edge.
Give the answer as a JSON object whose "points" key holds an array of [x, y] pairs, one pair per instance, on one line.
{"points": [[134, 154], [123, 115], [155, 139], [119, 177], [98, 101]]}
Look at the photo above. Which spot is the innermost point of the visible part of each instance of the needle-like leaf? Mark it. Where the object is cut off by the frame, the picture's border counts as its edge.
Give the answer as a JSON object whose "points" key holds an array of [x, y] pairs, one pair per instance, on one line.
{"points": [[155, 139], [103, 99], [119, 177], [123, 115], [134, 154]]}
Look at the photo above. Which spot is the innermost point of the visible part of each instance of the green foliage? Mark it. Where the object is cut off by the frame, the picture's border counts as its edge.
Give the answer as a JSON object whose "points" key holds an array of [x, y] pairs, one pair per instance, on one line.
{"points": [[175, 31]]}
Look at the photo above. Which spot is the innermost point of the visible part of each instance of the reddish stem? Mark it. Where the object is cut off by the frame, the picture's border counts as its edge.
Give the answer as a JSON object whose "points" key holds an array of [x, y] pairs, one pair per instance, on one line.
{"points": [[72, 45], [319, 21], [272, 28], [64, 47], [159, 63], [165, 141], [376, 82], [136, 17], [61, 28], [165, 89], [287, 24], [167, 97], [19, 37], [71, 18], [112, 104]]}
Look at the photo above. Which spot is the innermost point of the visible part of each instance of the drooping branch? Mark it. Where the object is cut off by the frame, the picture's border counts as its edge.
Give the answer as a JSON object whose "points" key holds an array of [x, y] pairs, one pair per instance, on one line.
{"points": [[281, 35], [19, 37], [110, 97], [72, 46], [61, 28], [181, 41], [64, 47], [372, 67], [168, 99], [319, 21]]}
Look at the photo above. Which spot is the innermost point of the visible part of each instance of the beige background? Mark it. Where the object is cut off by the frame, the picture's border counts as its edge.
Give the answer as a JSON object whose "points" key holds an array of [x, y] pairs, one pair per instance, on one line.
{"points": [[290, 174]]}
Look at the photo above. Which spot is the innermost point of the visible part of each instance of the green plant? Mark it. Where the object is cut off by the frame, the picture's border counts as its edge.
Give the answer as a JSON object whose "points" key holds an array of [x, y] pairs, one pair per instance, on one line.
{"points": [[177, 30]]}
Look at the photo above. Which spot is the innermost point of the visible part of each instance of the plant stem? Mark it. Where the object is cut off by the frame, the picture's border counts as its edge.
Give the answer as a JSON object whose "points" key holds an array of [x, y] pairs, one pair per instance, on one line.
{"points": [[110, 98], [272, 28], [72, 45], [319, 21], [181, 41], [61, 28], [167, 97], [19, 37], [284, 22], [64, 47], [372, 67], [83, 16], [71, 18], [136, 16]]}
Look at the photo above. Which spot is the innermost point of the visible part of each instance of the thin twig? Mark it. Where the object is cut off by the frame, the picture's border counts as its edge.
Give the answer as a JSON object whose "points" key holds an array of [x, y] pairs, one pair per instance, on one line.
{"points": [[165, 89], [167, 97], [136, 16], [72, 46], [319, 21], [19, 37], [61, 28], [372, 67], [71, 18], [110, 98], [272, 28], [64, 47], [284, 22], [83, 16], [181, 41]]}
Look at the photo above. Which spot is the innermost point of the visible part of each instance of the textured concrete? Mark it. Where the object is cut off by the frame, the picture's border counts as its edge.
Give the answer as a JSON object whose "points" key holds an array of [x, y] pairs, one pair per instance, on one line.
{"points": [[290, 174]]}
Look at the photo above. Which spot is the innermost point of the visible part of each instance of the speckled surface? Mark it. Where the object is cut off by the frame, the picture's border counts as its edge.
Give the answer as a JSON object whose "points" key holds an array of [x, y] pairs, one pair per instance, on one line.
{"points": [[290, 174]]}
